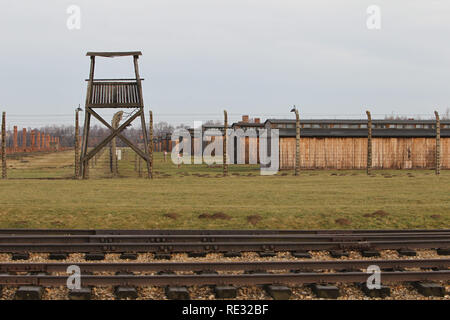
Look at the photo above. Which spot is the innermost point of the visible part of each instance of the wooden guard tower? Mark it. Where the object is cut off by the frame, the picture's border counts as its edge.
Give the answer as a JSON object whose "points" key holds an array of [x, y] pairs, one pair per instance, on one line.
{"points": [[113, 93]]}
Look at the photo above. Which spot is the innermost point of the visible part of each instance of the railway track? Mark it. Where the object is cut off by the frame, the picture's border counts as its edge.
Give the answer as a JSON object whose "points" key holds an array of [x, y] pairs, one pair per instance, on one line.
{"points": [[67, 239], [224, 279], [291, 266], [210, 231], [220, 247], [207, 241], [277, 277]]}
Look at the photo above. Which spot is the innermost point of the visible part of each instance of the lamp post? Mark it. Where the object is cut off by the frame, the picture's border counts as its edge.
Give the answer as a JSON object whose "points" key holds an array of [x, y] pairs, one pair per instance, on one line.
{"points": [[297, 141]]}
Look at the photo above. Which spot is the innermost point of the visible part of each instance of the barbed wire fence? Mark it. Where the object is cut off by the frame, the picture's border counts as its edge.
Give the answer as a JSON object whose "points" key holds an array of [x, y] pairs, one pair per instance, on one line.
{"points": [[43, 146]]}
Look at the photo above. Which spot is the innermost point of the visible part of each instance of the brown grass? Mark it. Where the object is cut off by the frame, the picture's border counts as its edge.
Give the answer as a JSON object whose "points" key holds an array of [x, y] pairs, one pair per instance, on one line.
{"points": [[254, 219], [378, 213], [214, 216], [343, 222], [171, 215]]}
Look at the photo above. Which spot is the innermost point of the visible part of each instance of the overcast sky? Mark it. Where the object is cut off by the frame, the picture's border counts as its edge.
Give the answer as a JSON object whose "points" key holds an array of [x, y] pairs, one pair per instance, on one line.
{"points": [[251, 57]]}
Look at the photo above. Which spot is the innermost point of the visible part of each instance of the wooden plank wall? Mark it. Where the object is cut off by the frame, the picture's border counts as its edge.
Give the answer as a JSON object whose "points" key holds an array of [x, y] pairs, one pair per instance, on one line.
{"points": [[445, 153], [251, 149], [404, 153], [324, 153], [351, 153], [248, 151]]}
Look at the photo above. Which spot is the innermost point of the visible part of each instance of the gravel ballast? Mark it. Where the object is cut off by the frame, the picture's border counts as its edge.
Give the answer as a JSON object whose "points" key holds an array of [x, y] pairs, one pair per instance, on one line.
{"points": [[348, 291]]}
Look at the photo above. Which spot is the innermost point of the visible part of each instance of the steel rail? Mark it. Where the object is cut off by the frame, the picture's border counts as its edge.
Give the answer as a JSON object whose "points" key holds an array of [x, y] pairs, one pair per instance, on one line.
{"points": [[206, 231], [174, 247], [216, 238], [223, 279], [441, 264]]}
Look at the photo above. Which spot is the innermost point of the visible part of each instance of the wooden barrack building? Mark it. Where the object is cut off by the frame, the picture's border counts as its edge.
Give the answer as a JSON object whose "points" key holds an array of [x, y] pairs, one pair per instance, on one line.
{"points": [[342, 144]]}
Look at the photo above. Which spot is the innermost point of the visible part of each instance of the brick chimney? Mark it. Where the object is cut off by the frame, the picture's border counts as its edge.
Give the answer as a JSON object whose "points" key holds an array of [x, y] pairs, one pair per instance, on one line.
{"points": [[15, 145], [24, 139], [245, 118], [38, 140], [33, 140], [257, 120]]}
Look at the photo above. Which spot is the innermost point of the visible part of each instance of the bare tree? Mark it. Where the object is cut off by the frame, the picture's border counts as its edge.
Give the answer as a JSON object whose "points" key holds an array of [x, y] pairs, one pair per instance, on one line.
{"points": [[213, 122], [446, 115], [162, 128]]}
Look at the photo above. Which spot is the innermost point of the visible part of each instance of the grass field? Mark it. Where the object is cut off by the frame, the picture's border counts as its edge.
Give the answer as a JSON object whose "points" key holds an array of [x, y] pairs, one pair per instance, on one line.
{"points": [[179, 197], [41, 165]]}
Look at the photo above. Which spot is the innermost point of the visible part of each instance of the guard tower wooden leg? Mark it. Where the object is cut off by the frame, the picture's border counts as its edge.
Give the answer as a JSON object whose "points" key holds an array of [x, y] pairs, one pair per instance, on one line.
{"points": [[84, 144], [144, 134]]}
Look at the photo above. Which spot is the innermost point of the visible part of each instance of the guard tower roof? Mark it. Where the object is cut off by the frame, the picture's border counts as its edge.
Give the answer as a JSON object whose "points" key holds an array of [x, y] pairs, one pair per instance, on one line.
{"points": [[114, 54]]}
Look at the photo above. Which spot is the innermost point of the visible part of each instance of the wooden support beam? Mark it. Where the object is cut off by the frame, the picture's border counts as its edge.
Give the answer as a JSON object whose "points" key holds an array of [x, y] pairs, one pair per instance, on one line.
{"points": [[114, 54], [138, 80], [87, 119], [438, 143], [369, 142], [115, 133], [141, 103], [4, 145], [145, 137], [84, 143]]}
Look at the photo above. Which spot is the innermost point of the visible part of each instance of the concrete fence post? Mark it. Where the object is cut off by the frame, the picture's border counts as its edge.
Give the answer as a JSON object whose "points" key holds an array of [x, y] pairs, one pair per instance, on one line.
{"points": [[113, 145], [438, 143], [150, 145], [225, 126], [369, 142], [297, 143], [4, 145], [77, 145]]}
